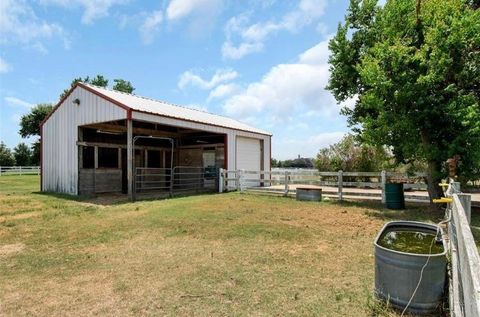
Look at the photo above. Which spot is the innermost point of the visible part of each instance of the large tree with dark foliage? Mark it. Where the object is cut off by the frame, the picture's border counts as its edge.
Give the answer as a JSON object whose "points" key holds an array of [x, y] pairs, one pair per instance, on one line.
{"points": [[413, 67], [100, 81], [6, 156], [22, 154], [30, 126]]}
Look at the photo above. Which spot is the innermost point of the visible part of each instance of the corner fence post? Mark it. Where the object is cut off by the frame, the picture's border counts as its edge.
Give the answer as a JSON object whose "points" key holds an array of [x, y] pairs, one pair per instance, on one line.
{"points": [[383, 175], [287, 178], [340, 185]]}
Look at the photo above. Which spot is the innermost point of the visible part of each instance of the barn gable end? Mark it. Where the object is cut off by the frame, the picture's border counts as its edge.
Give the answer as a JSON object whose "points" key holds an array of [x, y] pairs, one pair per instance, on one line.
{"points": [[60, 134]]}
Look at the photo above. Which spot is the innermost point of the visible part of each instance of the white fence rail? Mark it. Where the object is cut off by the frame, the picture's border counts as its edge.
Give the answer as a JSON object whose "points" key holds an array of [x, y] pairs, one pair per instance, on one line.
{"points": [[464, 290], [289, 178], [19, 170]]}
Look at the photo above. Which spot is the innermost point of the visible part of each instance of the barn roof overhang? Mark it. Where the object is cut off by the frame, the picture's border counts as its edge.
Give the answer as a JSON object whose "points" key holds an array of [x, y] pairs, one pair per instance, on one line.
{"points": [[122, 100]]}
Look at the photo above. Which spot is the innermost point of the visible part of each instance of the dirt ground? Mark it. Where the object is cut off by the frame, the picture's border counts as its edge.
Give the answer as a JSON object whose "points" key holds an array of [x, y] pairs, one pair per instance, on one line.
{"points": [[209, 255]]}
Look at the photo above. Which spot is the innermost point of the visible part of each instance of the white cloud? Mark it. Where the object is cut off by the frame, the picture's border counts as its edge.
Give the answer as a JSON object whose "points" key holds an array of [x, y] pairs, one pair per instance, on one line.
{"points": [[284, 148], [16, 102], [4, 66], [20, 24], [236, 52], [150, 26], [251, 37], [178, 9], [288, 89], [92, 9], [220, 76], [223, 91]]}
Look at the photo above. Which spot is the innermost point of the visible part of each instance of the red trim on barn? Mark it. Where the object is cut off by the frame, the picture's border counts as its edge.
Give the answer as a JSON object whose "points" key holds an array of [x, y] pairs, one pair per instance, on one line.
{"points": [[130, 110], [90, 90], [270, 162], [115, 102]]}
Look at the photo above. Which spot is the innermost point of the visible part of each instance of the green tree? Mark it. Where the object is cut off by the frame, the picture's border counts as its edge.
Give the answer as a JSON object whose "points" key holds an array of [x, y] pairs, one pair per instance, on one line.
{"points": [[98, 80], [6, 156], [22, 154], [413, 67], [101, 81], [30, 122], [30, 126], [350, 156], [274, 162], [123, 86]]}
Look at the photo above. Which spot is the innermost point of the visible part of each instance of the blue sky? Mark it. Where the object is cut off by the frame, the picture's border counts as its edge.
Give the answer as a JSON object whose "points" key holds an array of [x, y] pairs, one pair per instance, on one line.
{"points": [[261, 62]]}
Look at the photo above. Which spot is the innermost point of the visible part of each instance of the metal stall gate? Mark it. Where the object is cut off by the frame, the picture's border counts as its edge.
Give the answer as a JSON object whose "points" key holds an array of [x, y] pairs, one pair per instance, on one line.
{"points": [[180, 180]]}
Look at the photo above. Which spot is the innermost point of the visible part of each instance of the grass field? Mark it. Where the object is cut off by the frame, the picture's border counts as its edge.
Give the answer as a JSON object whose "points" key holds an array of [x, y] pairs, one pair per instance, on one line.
{"points": [[209, 255]]}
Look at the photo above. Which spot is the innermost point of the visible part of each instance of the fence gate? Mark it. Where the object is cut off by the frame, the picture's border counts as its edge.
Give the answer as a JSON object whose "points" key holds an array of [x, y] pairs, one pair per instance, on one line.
{"points": [[180, 180]]}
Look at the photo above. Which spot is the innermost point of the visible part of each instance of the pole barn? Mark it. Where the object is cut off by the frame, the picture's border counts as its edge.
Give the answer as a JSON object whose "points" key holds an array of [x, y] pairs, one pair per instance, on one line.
{"points": [[98, 140]]}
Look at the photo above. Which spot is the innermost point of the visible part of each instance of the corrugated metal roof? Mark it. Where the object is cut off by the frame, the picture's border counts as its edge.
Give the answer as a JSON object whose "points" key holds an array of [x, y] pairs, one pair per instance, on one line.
{"points": [[143, 104]]}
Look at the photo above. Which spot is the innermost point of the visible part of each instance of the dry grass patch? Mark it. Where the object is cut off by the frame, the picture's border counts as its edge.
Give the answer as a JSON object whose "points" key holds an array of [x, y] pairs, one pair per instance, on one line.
{"points": [[213, 255]]}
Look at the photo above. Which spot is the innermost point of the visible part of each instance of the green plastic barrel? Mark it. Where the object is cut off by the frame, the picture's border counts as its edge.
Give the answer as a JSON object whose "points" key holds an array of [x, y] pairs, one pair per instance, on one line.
{"points": [[394, 198]]}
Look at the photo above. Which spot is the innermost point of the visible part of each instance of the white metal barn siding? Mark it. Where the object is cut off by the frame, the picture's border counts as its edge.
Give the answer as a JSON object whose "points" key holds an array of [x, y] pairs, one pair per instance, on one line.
{"points": [[249, 156], [60, 135], [60, 130]]}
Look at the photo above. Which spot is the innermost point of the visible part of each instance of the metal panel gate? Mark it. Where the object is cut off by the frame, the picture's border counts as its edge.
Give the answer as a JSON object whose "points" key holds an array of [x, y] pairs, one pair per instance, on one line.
{"points": [[180, 180]]}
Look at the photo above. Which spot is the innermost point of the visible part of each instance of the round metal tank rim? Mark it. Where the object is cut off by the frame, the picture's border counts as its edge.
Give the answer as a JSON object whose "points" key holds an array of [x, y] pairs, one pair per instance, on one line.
{"points": [[410, 223]]}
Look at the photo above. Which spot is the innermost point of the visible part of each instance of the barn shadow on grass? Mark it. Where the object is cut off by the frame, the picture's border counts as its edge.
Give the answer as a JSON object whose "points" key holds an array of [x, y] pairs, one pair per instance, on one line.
{"points": [[117, 199]]}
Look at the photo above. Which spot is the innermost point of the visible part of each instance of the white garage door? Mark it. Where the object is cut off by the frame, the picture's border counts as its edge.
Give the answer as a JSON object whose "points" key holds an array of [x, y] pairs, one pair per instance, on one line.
{"points": [[249, 156]]}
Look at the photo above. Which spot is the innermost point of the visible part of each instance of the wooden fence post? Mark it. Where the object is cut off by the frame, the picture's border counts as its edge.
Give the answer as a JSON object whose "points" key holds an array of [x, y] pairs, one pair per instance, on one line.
{"points": [[383, 175], [237, 179], [340, 185], [287, 178], [241, 181]]}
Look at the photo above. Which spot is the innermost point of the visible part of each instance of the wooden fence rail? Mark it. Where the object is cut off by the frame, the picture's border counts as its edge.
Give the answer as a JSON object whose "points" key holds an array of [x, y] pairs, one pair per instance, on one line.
{"points": [[247, 179], [19, 170], [464, 290]]}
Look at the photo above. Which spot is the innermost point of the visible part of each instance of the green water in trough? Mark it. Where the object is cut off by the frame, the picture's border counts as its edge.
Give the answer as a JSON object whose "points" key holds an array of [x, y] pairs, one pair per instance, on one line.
{"points": [[410, 241]]}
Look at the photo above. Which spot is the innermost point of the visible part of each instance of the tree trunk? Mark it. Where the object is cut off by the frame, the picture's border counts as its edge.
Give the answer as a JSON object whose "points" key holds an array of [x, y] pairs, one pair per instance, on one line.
{"points": [[433, 179], [433, 171]]}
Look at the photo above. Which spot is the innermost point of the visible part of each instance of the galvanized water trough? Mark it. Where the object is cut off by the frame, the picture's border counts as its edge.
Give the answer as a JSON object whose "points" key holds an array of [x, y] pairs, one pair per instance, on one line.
{"points": [[397, 273], [308, 194]]}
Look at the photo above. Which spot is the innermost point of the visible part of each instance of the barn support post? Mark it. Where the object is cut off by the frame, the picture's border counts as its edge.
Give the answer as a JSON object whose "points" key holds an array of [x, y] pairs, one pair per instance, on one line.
{"points": [[130, 158]]}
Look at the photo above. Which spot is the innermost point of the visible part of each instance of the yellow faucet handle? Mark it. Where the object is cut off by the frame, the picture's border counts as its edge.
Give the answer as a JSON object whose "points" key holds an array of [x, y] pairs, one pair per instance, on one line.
{"points": [[442, 200]]}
